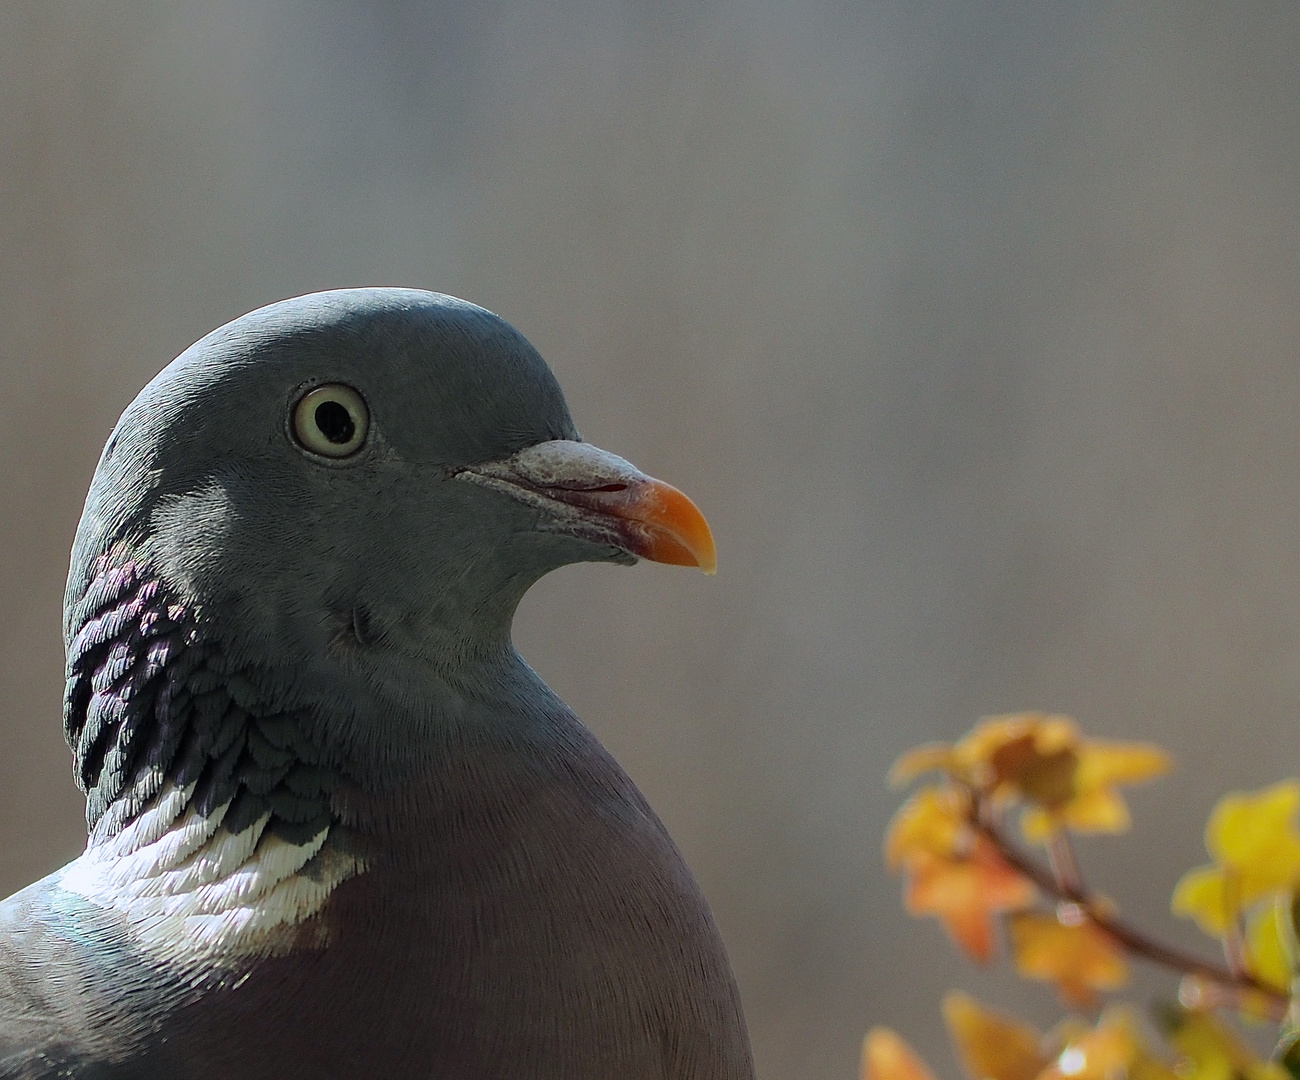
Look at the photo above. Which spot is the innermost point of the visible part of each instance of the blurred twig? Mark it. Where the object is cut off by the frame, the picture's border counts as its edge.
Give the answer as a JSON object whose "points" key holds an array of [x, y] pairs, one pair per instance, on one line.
{"points": [[1063, 882]]}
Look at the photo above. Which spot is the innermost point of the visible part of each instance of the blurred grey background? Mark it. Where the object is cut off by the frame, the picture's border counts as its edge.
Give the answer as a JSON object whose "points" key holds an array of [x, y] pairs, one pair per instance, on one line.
{"points": [[972, 327]]}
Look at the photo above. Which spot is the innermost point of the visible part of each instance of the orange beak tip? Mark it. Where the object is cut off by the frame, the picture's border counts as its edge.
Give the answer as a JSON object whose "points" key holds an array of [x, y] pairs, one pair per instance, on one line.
{"points": [[707, 560], [684, 536]]}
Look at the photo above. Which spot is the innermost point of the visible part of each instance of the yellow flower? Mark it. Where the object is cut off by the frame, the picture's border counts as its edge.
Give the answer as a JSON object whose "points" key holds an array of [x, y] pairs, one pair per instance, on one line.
{"points": [[1206, 894], [1253, 840], [1078, 956], [1043, 760], [932, 757], [933, 821], [1268, 955], [1211, 1051], [1255, 835], [885, 1056], [992, 1046]]}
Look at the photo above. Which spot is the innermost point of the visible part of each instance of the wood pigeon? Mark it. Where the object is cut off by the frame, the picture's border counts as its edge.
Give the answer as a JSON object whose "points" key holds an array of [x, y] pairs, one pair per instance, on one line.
{"points": [[338, 827]]}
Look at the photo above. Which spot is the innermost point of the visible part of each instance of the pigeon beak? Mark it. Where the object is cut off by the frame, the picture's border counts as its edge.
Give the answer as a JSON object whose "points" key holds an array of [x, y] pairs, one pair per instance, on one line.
{"points": [[588, 492]]}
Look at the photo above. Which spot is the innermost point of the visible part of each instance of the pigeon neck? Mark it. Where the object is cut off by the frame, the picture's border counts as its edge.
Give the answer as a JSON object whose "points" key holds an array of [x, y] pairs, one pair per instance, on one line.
{"points": [[226, 805], [155, 699], [214, 829]]}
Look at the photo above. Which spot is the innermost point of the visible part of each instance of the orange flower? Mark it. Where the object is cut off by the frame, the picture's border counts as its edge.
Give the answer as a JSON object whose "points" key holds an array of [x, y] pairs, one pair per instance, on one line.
{"points": [[1075, 954], [1042, 759], [965, 892], [1113, 1049], [992, 1046], [885, 1056]]}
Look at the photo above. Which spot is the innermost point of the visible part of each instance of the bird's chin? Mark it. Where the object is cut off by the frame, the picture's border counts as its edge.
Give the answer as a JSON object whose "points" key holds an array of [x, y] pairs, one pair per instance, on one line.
{"points": [[593, 495], [587, 538]]}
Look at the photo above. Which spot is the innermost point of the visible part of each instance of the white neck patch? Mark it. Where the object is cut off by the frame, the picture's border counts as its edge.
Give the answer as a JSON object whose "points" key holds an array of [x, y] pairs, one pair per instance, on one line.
{"points": [[193, 890]]}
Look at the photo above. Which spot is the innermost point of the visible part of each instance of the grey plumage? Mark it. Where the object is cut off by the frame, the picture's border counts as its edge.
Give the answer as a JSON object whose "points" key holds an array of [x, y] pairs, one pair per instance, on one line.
{"points": [[337, 826]]}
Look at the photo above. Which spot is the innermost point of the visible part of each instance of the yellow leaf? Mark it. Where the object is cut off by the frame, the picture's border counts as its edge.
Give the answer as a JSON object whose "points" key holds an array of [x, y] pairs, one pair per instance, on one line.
{"points": [[1080, 958], [1100, 810], [885, 1056], [992, 1046], [1103, 764], [1096, 810], [1038, 824], [964, 893], [1146, 1067], [933, 757], [1205, 894], [1212, 1051], [1255, 835], [1266, 949], [933, 821]]}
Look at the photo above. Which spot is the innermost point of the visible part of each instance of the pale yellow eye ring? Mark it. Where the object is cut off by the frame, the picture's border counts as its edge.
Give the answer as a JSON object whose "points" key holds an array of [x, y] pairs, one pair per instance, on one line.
{"points": [[331, 420]]}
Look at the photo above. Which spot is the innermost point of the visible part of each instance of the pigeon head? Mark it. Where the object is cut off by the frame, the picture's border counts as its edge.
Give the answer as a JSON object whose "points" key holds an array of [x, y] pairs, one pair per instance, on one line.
{"points": [[351, 491]]}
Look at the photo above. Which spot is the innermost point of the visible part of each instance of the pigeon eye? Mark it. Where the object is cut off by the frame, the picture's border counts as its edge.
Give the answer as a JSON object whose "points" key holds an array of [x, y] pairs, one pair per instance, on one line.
{"points": [[331, 420]]}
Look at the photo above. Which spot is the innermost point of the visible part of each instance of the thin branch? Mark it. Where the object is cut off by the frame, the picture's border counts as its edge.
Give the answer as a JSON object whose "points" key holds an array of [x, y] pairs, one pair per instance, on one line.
{"points": [[1133, 939], [1234, 938], [1063, 861]]}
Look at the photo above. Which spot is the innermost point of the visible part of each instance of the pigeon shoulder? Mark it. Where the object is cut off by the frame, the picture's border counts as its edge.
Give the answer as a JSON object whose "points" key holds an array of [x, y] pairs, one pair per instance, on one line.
{"points": [[65, 974]]}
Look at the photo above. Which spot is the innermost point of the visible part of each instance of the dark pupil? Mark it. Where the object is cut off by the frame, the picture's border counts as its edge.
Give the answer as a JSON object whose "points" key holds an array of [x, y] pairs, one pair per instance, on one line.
{"points": [[335, 422]]}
